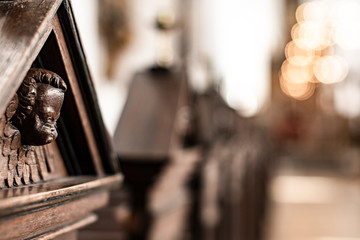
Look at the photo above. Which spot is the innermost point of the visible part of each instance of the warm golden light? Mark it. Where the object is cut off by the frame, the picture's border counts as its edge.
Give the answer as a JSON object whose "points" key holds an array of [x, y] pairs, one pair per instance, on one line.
{"points": [[296, 74], [299, 91], [299, 56], [311, 35], [315, 11], [299, 14], [310, 55], [330, 69]]}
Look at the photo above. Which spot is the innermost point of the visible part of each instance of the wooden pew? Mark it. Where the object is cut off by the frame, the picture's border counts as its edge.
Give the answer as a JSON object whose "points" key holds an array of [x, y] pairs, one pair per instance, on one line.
{"points": [[233, 177], [149, 130], [211, 184]]}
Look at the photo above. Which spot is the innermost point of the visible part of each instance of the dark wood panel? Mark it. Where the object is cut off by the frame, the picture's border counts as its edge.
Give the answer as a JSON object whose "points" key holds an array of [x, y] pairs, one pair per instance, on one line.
{"points": [[72, 139], [19, 199], [45, 220], [81, 109], [83, 76]]}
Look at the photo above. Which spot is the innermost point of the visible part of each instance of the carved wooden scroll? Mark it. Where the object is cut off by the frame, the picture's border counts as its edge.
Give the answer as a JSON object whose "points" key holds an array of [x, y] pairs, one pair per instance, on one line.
{"points": [[29, 123]]}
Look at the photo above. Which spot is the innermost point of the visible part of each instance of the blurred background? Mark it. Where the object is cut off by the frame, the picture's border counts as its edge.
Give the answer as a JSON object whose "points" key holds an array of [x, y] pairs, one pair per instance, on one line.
{"points": [[292, 67]]}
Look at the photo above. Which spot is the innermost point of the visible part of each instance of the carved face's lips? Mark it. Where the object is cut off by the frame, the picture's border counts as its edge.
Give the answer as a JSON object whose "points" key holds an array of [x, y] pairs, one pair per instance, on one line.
{"points": [[51, 137]]}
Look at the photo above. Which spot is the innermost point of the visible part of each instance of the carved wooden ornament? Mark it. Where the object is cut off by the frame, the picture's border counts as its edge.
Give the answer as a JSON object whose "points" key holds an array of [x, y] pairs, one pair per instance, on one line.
{"points": [[29, 123]]}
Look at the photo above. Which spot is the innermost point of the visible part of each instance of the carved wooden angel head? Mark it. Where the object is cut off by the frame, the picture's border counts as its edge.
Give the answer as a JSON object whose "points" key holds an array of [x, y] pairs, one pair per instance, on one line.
{"points": [[41, 96]]}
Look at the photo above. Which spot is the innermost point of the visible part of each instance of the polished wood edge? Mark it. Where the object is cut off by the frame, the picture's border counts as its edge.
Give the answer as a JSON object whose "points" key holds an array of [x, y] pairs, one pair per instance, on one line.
{"points": [[91, 218], [31, 224], [77, 95], [82, 72], [16, 204]]}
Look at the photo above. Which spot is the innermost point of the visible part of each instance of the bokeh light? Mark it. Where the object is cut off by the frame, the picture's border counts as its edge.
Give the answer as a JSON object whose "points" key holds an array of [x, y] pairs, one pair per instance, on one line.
{"points": [[296, 74], [298, 91], [330, 69], [310, 58], [315, 11], [299, 56], [311, 35]]}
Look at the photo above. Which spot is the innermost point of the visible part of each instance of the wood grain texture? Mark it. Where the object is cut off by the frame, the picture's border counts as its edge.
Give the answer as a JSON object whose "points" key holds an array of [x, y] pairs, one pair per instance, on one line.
{"points": [[68, 232], [114, 220], [47, 210], [14, 199], [21, 43], [36, 223]]}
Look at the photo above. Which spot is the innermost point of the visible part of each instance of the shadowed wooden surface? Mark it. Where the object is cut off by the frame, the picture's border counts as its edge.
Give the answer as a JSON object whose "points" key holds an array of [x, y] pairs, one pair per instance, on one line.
{"points": [[39, 208], [81, 109], [47, 219], [21, 43]]}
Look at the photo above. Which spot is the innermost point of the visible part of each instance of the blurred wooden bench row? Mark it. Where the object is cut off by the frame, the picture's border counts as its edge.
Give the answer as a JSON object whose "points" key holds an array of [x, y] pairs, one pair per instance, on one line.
{"points": [[194, 169]]}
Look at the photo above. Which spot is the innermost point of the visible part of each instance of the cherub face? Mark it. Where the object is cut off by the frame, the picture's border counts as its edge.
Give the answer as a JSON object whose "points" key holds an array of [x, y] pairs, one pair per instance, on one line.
{"points": [[40, 127]]}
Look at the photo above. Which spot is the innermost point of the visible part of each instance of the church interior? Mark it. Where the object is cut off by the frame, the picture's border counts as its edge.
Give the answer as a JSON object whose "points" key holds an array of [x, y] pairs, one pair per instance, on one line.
{"points": [[184, 120]]}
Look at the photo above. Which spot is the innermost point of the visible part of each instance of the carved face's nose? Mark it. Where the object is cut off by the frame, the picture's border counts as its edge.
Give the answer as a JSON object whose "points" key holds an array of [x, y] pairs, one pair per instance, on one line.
{"points": [[53, 128]]}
